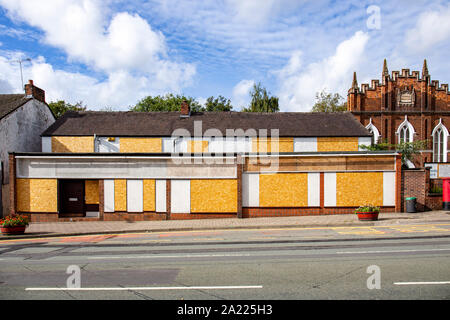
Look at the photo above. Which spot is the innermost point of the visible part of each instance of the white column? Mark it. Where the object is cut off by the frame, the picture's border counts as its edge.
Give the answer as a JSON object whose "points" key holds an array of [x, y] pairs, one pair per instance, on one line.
{"points": [[313, 189], [135, 196], [109, 195], [388, 188], [250, 190], [329, 189], [180, 196], [160, 193]]}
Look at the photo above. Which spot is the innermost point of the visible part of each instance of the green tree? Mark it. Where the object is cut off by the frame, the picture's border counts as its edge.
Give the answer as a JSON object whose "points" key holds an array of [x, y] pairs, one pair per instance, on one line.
{"points": [[410, 149], [218, 104], [169, 102], [328, 102], [60, 107], [382, 145], [262, 101], [407, 149]]}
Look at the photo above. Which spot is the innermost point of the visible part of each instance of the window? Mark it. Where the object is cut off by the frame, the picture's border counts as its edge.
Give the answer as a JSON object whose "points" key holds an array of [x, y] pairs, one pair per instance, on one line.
{"points": [[440, 136], [405, 132], [374, 131]]}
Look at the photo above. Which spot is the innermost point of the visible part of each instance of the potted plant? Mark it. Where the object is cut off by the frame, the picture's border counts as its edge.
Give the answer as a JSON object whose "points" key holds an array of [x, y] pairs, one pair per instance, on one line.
{"points": [[367, 212], [14, 224]]}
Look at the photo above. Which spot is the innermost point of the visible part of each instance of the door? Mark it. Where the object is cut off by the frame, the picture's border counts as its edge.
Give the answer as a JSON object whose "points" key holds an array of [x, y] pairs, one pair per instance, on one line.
{"points": [[71, 195]]}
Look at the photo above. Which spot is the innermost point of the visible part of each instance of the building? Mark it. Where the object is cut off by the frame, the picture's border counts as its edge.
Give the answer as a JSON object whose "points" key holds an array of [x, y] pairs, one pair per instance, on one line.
{"points": [[23, 117], [405, 106], [184, 165]]}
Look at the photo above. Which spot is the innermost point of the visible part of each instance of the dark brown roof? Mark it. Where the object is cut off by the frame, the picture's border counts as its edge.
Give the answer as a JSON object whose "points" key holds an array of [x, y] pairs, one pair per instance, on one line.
{"points": [[290, 124], [10, 102]]}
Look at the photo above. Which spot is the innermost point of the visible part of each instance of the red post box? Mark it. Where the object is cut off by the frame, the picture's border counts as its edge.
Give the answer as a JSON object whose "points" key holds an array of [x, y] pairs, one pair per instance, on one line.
{"points": [[446, 194]]}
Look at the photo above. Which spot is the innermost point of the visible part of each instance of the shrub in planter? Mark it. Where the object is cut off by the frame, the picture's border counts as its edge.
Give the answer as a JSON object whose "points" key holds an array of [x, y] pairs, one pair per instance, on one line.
{"points": [[367, 212], [14, 224]]}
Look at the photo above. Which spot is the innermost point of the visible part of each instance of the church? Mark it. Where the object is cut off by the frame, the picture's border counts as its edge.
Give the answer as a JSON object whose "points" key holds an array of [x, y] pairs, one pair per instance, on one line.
{"points": [[406, 106]]}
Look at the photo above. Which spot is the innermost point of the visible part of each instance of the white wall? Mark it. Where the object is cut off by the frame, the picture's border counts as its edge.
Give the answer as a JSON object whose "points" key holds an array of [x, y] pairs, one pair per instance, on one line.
{"points": [[103, 145], [366, 141], [313, 189], [305, 144], [389, 188], [250, 190], [330, 189], [135, 196], [180, 196], [46, 144], [160, 194], [120, 168], [20, 131], [109, 195]]}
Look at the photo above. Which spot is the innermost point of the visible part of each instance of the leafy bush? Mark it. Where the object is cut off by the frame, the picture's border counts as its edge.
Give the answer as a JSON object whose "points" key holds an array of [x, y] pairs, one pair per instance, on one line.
{"points": [[14, 220], [367, 208], [436, 189]]}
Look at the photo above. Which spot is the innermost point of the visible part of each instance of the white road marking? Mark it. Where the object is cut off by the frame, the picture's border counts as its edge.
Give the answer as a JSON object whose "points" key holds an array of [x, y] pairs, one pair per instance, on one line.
{"points": [[146, 288], [172, 256], [418, 283], [391, 251]]}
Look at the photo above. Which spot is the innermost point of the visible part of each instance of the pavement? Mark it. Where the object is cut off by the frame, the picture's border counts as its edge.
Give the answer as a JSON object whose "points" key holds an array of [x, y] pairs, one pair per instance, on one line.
{"points": [[57, 229]]}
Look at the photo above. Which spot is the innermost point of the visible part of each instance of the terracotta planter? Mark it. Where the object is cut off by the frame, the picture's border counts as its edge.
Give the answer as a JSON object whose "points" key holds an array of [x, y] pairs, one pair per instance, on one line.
{"points": [[367, 216], [13, 230]]}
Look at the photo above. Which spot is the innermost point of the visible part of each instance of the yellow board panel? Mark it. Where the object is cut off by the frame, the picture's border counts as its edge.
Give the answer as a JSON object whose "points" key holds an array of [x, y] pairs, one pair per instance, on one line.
{"points": [[91, 192], [337, 144], [197, 146], [271, 145], [213, 196], [149, 195], [354, 189], [72, 144], [37, 195], [142, 145], [283, 190], [120, 195]]}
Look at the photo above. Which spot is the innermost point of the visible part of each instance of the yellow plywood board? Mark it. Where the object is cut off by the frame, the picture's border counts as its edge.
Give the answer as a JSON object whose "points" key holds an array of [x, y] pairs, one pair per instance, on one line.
{"points": [[120, 195], [141, 145], [213, 195], [272, 145], [72, 144], [354, 189], [283, 190], [91, 192], [149, 195], [337, 144], [37, 195], [197, 146]]}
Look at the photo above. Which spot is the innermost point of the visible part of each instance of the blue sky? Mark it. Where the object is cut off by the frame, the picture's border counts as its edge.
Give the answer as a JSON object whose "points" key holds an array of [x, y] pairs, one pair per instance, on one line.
{"points": [[113, 53]]}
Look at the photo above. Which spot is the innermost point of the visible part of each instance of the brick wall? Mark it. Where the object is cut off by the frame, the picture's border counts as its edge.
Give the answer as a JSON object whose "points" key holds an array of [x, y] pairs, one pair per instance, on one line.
{"points": [[282, 212], [417, 183]]}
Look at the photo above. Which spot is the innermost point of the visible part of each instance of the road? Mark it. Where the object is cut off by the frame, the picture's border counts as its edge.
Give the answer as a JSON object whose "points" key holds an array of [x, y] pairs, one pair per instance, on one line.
{"points": [[399, 262]]}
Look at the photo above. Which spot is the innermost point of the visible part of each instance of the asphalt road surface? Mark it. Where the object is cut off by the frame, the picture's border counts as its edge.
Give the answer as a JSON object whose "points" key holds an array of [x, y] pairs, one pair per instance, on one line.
{"points": [[387, 262]]}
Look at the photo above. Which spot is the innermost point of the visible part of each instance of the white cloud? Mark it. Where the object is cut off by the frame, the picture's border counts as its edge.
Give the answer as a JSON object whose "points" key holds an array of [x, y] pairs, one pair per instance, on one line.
{"points": [[124, 47], [120, 89], [241, 93], [298, 84], [432, 28]]}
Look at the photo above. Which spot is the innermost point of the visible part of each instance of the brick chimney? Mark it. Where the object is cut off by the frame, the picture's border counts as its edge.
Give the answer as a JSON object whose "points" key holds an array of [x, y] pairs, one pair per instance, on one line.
{"points": [[31, 91], [185, 109]]}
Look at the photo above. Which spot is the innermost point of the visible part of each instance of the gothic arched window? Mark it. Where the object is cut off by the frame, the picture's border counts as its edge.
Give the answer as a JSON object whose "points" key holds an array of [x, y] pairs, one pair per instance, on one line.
{"points": [[405, 132], [440, 136], [374, 131]]}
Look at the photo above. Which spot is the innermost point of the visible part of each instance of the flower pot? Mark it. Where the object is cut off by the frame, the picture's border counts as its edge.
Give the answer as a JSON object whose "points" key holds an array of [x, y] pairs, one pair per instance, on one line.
{"points": [[13, 230], [367, 216]]}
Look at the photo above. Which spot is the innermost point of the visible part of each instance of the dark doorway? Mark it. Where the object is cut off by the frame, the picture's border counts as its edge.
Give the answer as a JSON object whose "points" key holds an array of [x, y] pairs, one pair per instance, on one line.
{"points": [[71, 195]]}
